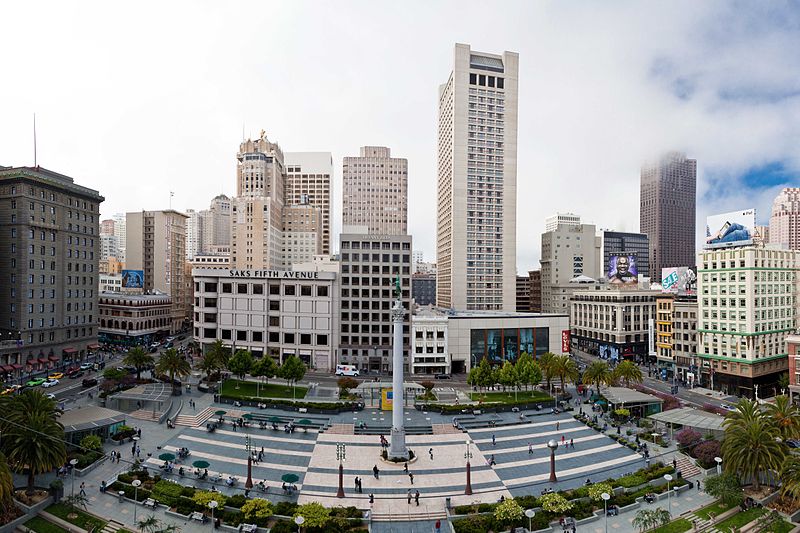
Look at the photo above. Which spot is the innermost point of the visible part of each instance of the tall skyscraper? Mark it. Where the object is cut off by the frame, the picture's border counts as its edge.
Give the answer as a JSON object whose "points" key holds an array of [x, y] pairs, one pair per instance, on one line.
{"points": [[49, 253], [477, 182], [375, 191], [623, 243], [784, 223], [309, 181], [120, 234], [194, 233], [667, 211], [217, 223], [157, 246]]}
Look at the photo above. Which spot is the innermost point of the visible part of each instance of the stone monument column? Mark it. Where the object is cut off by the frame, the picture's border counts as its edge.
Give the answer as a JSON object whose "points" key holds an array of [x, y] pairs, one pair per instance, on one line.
{"points": [[397, 448]]}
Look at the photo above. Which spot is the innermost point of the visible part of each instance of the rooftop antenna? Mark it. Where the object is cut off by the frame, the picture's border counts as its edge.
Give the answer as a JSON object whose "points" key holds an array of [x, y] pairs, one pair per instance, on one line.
{"points": [[35, 160], [171, 194]]}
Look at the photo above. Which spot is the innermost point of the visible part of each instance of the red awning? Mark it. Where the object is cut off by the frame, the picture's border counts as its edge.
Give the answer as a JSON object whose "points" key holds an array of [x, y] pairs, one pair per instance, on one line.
{"points": [[94, 346], [16, 366], [70, 350], [54, 358], [8, 368], [42, 360]]}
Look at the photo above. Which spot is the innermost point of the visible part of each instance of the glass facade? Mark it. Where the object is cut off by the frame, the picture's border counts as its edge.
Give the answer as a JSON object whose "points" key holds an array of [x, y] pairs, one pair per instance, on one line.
{"points": [[507, 344]]}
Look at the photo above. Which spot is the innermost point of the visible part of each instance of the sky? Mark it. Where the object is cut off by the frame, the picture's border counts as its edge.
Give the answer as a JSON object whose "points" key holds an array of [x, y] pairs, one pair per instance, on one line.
{"points": [[138, 102]]}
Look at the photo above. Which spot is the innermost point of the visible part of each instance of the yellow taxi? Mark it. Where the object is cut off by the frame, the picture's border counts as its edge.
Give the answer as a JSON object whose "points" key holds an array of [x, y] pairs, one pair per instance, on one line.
{"points": [[56, 375]]}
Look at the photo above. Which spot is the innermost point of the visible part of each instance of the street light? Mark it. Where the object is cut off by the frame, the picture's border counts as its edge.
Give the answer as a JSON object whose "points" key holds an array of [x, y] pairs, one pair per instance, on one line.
{"points": [[73, 462], [669, 503], [530, 513], [606, 496], [553, 445], [213, 505], [135, 483], [340, 456], [719, 464], [468, 456], [299, 520]]}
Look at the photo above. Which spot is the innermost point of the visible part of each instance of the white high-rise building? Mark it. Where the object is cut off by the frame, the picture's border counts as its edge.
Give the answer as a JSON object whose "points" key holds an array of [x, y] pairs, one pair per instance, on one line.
{"points": [[194, 233], [375, 191], [784, 223], [309, 181], [561, 219], [120, 234], [477, 182]]}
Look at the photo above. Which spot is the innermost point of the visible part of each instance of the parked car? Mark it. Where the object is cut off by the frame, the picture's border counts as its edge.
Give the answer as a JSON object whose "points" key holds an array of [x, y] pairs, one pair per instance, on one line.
{"points": [[50, 383], [75, 374], [89, 382], [443, 376], [86, 366], [51, 396], [35, 382], [56, 376]]}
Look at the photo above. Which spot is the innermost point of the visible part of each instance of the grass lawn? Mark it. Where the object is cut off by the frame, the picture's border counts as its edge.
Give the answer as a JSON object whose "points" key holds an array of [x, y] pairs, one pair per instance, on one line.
{"points": [[272, 390], [739, 519], [508, 396], [40, 525], [717, 508], [676, 526], [83, 520], [781, 527]]}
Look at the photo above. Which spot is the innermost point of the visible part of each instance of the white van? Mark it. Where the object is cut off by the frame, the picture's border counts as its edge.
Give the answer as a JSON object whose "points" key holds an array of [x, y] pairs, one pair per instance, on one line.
{"points": [[346, 370]]}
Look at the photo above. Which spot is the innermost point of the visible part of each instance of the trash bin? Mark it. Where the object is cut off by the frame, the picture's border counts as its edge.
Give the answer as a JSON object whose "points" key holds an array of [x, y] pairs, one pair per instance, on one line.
{"points": [[121, 495], [447, 502]]}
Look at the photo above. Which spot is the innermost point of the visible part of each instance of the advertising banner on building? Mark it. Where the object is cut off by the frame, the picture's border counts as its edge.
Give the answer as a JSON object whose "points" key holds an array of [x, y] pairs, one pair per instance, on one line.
{"points": [[730, 229], [681, 281], [133, 279], [565, 341], [623, 270], [386, 399]]}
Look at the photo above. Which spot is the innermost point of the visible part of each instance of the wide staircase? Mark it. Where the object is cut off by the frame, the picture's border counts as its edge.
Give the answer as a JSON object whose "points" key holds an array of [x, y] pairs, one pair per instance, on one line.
{"points": [[444, 429], [413, 513], [340, 429], [146, 414], [194, 419], [112, 527], [687, 467]]}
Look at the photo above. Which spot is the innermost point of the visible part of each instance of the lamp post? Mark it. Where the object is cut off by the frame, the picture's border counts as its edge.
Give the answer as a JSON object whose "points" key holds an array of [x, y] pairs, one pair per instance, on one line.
{"points": [[213, 505], [135, 483], [468, 456], [756, 386], [669, 502], [341, 452], [73, 462], [299, 520], [606, 496], [719, 464], [553, 445], [249, 447], [530, 513]]}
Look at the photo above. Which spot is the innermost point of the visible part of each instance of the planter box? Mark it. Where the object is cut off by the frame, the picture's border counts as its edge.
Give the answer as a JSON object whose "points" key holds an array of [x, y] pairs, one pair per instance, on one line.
{"points": [[81, 473], [29, 512]]}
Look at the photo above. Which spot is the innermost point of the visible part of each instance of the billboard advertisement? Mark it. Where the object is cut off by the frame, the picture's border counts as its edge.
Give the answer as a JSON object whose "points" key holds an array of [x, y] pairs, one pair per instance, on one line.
{"points": [[679, 280], [133, 279], [565, 341], [730, 229], [623, 270]]}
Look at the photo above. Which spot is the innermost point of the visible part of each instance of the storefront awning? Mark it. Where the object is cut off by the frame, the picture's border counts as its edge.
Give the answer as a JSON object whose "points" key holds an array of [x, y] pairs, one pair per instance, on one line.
{"points": [[70, 350], [16, 366], [8, 368], [54, 358], [42, 360], [94, 346]]}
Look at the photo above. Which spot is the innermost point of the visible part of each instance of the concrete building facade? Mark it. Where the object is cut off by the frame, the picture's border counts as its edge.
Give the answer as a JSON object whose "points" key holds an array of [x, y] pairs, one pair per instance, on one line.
{"points": [[423, 289], [375, 191], [623, 243], [535, 277], [523, 294], [747, 308], [49, 255], [784, 222], [568, 252], [667, 210], [120, 233], [309, 181], [370, 265], [429, 352], [156, 242], [676, 338], [477, 182], [271, 313], [132, 319]]}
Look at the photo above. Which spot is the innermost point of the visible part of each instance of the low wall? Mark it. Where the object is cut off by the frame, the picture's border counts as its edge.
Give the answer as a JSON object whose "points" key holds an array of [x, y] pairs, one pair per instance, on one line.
{"points": [[29, 512]]}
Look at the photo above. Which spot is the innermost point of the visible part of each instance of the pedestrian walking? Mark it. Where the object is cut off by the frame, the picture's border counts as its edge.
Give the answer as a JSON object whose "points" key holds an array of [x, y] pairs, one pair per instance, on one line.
{"points": [[430, 451], [562, 439], [371, 499], [411, 477], [83, 488], [674, 463], [558, 424], [355, 482], [437, 528], [416, 498], [530, 448], [405, 468], [139, 433], [494, 441], [409, 496], [375, 471], [572, 444]]}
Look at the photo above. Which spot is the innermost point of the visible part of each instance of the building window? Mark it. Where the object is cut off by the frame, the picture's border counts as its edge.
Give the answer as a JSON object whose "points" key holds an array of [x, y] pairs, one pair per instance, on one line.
{"points": [[225, 334], [258, 288], [288, 338], [241, 335], [305, 338], [305, 290], [241, 288], [274, 336], [258, 336], [322, 340], [227, 288], [289, 290]]}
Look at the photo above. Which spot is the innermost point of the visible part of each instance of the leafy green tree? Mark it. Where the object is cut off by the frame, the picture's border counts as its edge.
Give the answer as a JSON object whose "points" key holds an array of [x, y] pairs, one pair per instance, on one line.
{"points": [[783, 381], [240, 363], [546, 364], [264, 367], [472, 377], [483, 374], [529, 371], [138, 358], [651, 518], [507, 375], [149, 524], [7, 506], [292, 370], [33, 438], [508, 512], [215, 359], [114, 374], [725, 487], [598, 374], [202, 497], [751, 445], [315, 514], [555, 503], [91, 443], [257, 508], [174, 364], [346, 383], [627, 372], [785, 416], [596, 490]]}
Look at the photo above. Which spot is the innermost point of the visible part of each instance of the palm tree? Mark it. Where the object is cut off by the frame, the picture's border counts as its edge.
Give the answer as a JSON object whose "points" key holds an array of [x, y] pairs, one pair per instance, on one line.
{"points": [[752, 444], [785, 416], [545, 363], [215, 359], [33, 438], [6, 491], [174, 364], [138, 358], [790, 477], [598, 374], [644, 519], [150, 524], [628, 372], [564, 368]]}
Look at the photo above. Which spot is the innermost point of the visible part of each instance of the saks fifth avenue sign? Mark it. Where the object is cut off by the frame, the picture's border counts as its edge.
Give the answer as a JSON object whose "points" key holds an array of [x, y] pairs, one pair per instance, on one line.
{"points": [[272, 274]]}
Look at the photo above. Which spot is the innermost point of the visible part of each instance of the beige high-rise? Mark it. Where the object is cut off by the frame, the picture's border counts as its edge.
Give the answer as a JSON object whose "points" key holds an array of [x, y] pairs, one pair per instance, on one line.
{"points": [[156, 242], [375, 191], [309, 181], [477, 182], [784, 223]]}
